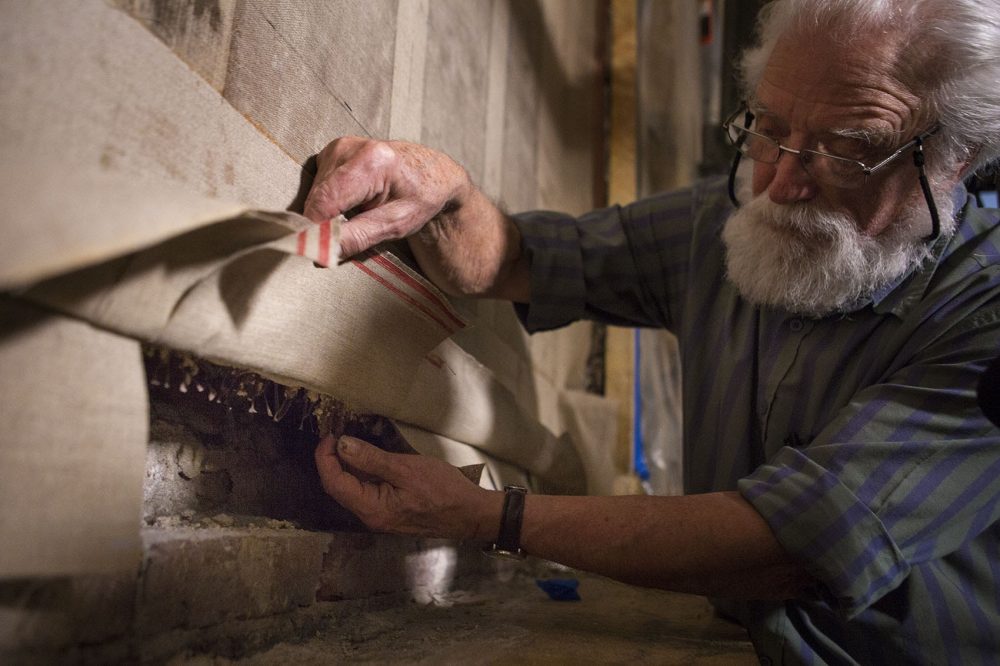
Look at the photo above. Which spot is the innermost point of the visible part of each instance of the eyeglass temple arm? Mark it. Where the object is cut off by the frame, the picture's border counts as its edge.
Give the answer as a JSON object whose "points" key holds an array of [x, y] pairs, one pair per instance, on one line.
{"points": [[918, 161], [747, 119]]}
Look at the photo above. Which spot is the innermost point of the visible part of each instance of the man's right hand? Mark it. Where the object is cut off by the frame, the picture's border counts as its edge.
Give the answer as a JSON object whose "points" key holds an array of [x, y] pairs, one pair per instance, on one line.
{"points": [[397, 186], [463, 242]]}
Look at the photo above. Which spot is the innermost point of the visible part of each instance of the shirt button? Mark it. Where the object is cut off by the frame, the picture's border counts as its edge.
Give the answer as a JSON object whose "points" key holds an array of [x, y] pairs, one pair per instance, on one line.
{"points": [[795, 325]]}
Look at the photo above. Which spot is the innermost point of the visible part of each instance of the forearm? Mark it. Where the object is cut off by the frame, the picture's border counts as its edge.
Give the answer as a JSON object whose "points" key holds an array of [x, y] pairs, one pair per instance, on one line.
{"points": [[713, 544], [473, 249]]}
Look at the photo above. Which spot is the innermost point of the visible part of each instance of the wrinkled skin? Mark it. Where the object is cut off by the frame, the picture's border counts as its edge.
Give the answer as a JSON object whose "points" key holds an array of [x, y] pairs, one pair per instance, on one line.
{"points": [[398, 186], [462, 241], [801, 101], [404, 494]]}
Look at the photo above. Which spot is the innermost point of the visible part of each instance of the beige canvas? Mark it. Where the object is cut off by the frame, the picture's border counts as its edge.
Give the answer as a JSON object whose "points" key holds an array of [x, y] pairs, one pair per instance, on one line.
{"points": [[73, 433]]}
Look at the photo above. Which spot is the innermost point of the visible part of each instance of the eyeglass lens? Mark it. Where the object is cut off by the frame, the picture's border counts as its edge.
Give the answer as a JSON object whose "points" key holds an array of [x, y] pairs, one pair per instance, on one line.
{"points": [[829, 169]]}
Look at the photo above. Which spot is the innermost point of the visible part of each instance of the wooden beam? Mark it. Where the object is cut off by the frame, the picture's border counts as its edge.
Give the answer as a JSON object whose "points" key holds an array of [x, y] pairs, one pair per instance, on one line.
{"points": [[620, 348]]}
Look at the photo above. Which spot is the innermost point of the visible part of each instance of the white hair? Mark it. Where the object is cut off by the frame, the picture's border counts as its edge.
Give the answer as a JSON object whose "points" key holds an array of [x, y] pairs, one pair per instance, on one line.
{"points": [[814, 261], [949, 57]]}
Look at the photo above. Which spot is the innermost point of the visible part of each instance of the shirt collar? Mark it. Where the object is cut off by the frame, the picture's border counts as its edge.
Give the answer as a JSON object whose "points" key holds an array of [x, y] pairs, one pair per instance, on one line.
{"points": [[900, 296]]}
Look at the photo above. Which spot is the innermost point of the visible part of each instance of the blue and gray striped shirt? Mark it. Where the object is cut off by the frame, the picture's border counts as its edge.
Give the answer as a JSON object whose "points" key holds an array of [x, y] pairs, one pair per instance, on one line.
{"points": [[856, 436]]}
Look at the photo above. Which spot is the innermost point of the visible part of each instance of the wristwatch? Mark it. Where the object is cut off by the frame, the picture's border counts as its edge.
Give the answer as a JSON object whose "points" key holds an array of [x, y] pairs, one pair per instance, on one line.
{"points": [[508, 543]]}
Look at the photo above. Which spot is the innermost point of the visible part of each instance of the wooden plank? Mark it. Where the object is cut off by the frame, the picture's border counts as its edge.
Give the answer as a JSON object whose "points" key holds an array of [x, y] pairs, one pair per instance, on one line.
{"points": [[670, 119], [407, 112], [619, 355], [198, 31], [519, 189], [622, 163], [569, 103], [669, 93], [496, 94], [456, 80], [306, 73]]}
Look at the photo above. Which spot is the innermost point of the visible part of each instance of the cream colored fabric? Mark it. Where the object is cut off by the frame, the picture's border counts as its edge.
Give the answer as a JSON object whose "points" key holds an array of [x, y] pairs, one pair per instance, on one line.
{"points": [[56, 219], [592, 426], [496, 474], [73, 433], [90, 97], [370, 332]]}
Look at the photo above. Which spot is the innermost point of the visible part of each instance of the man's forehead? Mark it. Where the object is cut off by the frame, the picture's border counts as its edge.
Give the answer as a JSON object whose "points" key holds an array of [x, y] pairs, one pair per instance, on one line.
{"points": [[860, 127], [820, 86]]}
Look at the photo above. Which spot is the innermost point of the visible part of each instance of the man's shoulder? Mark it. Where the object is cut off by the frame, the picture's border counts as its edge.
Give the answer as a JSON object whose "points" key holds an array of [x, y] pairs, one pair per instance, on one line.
{"points": [[965, 286], [978, 236], [705, 192], [703, 206]]}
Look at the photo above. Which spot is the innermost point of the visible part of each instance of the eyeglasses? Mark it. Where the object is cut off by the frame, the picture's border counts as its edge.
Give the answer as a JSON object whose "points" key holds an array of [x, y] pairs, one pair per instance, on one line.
{"points": [[832, 170]]}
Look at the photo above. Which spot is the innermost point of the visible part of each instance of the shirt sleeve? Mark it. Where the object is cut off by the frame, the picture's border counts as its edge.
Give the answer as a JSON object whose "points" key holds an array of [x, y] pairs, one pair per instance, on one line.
{"points": [[620, 265], [908, 472]]}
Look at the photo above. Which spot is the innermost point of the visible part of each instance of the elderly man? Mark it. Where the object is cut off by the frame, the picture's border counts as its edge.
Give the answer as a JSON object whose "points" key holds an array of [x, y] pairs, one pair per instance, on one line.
{"points": [[844, 488]]}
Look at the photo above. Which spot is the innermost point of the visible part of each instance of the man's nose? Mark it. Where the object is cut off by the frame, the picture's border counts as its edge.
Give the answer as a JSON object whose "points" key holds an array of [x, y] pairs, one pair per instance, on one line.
{"points": [[790, 182]]}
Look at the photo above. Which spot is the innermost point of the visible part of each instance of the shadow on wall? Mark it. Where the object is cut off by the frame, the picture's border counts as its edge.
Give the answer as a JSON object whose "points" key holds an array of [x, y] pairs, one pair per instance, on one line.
{"points": [[560, 89]]}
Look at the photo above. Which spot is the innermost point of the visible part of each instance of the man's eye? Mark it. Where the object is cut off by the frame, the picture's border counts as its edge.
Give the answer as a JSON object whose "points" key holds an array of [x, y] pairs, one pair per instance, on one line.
{"points": [[861, 151]]}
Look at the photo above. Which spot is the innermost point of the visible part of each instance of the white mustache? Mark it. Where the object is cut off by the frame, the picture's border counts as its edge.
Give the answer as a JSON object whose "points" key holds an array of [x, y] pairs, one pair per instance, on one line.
{"points": [[811, 260]]}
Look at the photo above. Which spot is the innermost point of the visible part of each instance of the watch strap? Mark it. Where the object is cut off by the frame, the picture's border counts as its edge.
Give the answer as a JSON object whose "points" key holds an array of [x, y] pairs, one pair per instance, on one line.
{"points": [[509, 538]]}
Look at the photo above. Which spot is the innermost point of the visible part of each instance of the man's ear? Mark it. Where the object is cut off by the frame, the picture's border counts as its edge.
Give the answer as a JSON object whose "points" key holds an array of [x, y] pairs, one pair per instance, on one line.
{"points": [[964, 168]]}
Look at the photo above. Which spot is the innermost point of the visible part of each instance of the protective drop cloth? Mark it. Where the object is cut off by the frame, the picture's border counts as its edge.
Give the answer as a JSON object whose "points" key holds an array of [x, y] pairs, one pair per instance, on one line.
{"points": [[370, 332], [73, 436]]}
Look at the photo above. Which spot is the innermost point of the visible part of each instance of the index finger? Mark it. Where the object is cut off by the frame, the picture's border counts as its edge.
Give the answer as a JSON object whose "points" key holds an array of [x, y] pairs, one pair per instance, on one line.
{"points": [[355, 173], [329, 198]]}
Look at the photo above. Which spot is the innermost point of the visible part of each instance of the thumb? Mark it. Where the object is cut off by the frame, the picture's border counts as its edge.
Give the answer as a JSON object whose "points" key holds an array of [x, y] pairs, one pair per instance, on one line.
{"points": [[367, 458], [338, 483]]}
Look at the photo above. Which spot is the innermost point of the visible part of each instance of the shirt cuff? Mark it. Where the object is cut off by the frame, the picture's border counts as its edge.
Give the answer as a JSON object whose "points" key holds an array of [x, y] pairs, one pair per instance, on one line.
{"points": [[822, 524], [551, 244]]}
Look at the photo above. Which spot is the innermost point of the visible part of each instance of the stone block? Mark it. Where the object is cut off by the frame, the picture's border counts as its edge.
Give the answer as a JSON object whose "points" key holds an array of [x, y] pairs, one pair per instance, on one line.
{"points": [[358, 566], [200, 577]]}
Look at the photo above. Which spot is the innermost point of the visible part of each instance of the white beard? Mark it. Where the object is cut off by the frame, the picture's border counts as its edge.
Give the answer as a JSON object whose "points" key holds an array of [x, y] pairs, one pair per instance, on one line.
{"points": [[815, 262]]}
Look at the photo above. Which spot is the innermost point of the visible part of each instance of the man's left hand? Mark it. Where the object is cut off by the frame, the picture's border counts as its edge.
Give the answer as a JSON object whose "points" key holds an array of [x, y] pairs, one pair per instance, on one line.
{"points": [[406, 493]]}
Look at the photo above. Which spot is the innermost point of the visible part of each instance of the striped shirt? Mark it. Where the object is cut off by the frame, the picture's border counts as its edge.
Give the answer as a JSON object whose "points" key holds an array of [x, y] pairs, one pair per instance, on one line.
{"points": [[856, 436]]}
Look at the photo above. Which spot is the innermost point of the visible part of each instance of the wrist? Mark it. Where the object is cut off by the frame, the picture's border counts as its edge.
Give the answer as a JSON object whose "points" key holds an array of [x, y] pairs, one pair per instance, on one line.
{"points": [[507, 543], [486, 525]]}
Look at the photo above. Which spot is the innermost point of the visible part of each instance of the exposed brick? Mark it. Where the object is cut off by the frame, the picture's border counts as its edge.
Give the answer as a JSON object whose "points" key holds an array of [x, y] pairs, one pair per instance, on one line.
{"points": [[199, 577]]}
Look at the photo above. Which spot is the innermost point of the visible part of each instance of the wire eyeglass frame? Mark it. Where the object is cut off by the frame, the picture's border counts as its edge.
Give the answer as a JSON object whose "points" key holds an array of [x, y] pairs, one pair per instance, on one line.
{"points": [[738, 134]]}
